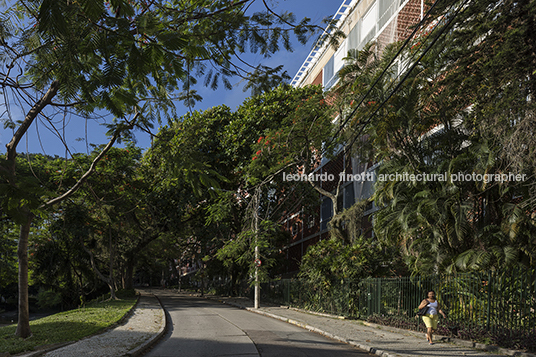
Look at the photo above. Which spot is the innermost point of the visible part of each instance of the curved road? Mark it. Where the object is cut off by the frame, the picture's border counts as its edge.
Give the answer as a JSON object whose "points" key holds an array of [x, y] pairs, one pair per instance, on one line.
{"points": [[201, 327]]}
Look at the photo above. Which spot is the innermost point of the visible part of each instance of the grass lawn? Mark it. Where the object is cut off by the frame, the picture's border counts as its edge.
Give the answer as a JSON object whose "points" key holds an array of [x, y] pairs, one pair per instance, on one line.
{"points": [[66, 326]]}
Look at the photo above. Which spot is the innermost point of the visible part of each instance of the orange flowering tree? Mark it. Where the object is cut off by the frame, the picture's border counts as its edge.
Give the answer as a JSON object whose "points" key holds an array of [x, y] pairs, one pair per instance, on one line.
{"points": [[278, 133]]}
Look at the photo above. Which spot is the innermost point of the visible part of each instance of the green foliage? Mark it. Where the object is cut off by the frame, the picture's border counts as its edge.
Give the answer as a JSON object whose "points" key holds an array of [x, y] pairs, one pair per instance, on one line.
{"points": [[241, 250], [462, 109], [60, 264], [136, 56], [295, 123], [191, 150], [126, 293], [280, 131], [210, 157], [8, 254], [48, 298], [347, 225], [490, 68], [31, 190], [330, 261]]}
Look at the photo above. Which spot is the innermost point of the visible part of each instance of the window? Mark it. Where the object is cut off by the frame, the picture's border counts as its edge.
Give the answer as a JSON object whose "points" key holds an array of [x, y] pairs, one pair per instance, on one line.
{"points": [[294, 229], [328, 72], [353, 37], [335, 63], [341, 53], [368, 189], [349, 197], [326, 212], [368, 25], [387, 9]]}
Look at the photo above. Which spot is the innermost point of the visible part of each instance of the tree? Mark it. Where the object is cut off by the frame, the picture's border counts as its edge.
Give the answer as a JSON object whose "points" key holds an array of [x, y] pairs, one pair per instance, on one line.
{"points": [[189, 165], [114, 199], [60, 265], [490, 69], [124, 57], [331, 262], [283, 127], [282, 132]]}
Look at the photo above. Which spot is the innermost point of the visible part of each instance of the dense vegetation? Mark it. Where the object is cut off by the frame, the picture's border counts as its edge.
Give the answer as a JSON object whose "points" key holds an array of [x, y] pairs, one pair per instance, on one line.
{"points": [[211, 187]]}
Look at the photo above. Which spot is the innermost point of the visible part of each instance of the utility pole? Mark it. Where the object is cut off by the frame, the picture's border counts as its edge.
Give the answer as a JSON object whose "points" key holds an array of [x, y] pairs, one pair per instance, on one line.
{"points": [[257, 297], [255, 201]]}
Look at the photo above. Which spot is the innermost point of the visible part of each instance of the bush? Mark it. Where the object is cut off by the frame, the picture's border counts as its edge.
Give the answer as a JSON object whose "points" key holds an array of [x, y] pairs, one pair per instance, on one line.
{"points": [[125, 293], [48, 298]]}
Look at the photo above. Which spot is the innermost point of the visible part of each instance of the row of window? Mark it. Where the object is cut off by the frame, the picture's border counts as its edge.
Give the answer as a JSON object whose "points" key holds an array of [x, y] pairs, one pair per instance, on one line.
{"points": [[380, 13]]}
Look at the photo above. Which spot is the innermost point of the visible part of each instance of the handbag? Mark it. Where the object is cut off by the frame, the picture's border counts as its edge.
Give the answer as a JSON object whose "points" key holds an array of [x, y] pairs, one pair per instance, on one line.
{"points": [[422, 311]]}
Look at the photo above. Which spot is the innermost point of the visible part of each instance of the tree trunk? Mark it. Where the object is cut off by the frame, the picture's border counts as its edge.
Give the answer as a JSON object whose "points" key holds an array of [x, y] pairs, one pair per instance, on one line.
{"points": [[23, 326], [174, 270], [112, 291], [179, 275], [202, 280], [108, 280], [111, 262], [129, 274]]}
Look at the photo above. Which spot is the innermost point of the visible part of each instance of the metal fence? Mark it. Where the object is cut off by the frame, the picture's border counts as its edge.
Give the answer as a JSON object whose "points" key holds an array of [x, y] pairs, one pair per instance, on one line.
{"points": [[491, 301]]}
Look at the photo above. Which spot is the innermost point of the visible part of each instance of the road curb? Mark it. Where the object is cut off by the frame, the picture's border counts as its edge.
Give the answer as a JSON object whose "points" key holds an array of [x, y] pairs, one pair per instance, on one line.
{"points": [[372, 349], [323, 314], [366, 348], [138, 351], [57, 346]]}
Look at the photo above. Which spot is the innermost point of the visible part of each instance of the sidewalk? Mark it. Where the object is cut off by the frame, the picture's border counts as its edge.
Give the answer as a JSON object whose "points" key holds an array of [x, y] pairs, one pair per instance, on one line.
{"points": [[380, 340], [141, 330]]}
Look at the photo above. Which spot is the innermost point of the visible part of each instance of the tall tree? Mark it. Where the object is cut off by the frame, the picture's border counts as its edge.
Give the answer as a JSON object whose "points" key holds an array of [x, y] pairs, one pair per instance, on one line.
{"points": [[279, 134], [129, 58]]}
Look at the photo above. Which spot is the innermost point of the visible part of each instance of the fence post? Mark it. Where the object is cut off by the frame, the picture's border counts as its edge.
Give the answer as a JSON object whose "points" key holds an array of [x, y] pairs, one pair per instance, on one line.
{"points": [[379, 296], [369, 298], [489, 301], [288, 292]]}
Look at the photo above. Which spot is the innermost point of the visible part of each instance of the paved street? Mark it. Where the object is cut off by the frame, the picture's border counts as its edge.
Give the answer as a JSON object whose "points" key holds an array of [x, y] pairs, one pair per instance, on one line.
{"points": [[205, 328]]}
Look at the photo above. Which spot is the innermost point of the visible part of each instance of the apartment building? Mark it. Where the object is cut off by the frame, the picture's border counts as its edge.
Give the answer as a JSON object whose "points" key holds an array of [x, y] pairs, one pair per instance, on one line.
{"points": [[362, 21]]}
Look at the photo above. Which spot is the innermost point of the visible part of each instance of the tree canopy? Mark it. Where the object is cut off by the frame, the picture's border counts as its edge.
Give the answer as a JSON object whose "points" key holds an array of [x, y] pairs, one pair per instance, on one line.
{"points": [[131, 59]]}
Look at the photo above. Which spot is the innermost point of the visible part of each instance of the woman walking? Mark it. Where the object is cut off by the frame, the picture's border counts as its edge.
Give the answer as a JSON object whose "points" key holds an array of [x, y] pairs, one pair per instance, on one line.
{"points": [[431, 317]]}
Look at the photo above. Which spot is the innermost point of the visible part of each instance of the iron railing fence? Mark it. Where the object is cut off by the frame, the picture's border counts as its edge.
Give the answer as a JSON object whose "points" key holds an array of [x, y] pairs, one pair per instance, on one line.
{"points": [[492, 300]]}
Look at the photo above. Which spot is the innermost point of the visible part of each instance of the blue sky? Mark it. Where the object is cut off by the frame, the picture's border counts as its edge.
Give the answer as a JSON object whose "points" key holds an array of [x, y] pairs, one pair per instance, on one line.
{"points": [[41, 139]]}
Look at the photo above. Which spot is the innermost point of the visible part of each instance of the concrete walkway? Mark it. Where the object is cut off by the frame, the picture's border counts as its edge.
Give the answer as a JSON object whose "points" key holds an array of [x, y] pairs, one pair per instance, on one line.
{"points": [[380, 340], [145, 325]]}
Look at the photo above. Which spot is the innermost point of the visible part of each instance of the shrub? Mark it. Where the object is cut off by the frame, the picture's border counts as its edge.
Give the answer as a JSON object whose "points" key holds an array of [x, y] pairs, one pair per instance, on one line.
{"points": [[48, 298], [125, 293]]}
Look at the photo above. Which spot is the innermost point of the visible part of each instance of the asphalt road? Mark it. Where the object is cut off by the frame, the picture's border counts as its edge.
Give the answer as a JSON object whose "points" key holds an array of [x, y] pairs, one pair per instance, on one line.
{"points": [[206, 328]]}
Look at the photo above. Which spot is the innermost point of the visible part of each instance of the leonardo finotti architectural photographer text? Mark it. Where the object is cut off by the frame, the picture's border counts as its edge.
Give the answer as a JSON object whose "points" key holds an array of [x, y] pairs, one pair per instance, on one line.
{"points": [[405, 176]]}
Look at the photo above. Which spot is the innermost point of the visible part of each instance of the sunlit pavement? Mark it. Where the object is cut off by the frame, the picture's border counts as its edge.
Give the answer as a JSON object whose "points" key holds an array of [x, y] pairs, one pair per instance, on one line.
{"points": [[202, 327]]}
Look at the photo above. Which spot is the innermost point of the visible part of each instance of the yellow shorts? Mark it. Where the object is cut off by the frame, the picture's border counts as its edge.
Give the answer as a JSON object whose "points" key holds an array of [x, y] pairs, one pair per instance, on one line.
{"points": [[431, 320]]}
